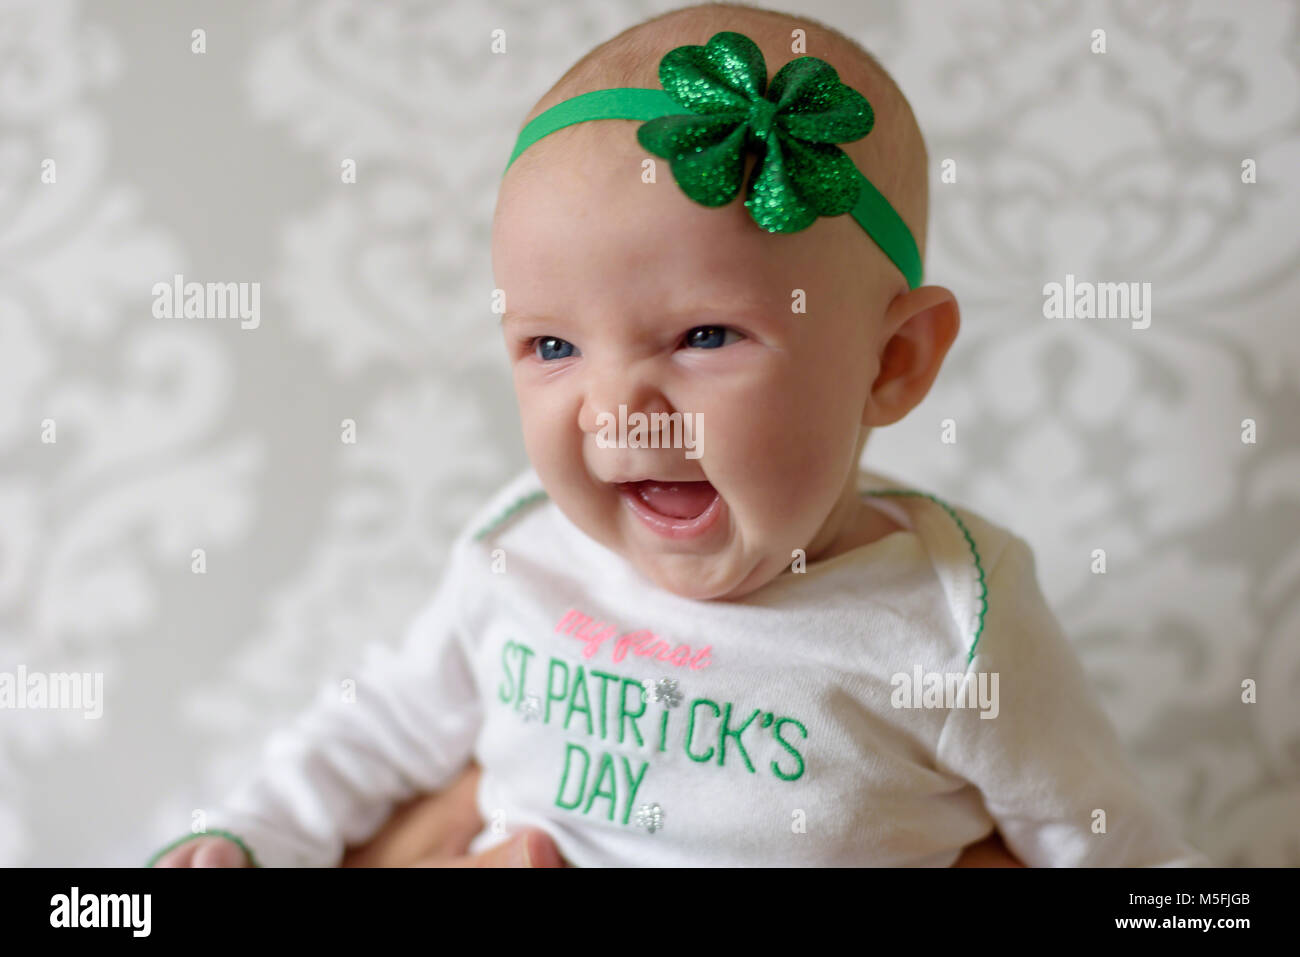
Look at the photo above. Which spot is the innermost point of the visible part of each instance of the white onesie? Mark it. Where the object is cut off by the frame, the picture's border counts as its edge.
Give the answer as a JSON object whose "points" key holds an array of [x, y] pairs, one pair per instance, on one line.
{"points": [[887, 706]]}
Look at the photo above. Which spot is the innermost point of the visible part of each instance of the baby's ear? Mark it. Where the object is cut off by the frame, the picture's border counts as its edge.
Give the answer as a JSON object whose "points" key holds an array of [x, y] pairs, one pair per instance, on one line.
{"points": [[918, 329]]}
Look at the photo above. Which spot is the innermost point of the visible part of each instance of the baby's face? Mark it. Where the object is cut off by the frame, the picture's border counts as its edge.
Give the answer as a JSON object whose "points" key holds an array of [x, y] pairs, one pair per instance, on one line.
{"points": [[624, 293]]}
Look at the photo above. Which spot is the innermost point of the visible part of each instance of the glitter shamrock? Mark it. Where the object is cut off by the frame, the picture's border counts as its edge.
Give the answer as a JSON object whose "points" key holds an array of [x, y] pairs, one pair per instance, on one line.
{"points": [[664, 690], [792, 125], [650, 817], [531, 708]]}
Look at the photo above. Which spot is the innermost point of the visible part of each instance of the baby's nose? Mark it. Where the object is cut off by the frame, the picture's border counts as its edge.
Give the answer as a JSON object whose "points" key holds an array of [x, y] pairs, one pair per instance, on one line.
{"points": [[615, 398]]}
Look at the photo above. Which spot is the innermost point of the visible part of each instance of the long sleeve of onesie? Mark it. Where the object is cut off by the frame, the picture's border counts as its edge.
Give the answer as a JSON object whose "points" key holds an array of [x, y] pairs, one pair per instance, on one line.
{"points": [[1050, 766], [332, 777]]}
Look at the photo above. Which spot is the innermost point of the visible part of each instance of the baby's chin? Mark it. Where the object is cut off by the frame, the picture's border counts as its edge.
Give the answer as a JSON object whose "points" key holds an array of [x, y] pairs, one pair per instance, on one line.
{"points": [[701, 577]]}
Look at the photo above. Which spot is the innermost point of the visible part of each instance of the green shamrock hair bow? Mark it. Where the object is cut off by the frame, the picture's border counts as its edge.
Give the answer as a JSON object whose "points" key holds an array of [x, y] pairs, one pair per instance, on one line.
{"points": [[716, 105], [794, 123]]}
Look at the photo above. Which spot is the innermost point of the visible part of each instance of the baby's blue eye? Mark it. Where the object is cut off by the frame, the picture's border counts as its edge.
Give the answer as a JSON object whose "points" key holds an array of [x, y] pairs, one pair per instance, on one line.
{"points": [[707, 337], [549, 347]]}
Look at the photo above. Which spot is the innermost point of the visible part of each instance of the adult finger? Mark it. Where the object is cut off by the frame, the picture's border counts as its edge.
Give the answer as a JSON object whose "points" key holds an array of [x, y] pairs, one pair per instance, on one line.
{"points": [[526, 849]]}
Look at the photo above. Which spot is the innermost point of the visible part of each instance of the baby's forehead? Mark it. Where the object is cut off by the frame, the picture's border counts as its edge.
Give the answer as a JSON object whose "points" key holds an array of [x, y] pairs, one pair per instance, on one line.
{"points": [[583, 236], [588, 198]]}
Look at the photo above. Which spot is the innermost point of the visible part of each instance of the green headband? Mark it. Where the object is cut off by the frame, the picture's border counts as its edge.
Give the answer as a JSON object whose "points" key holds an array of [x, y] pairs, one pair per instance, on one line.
{"points": [[800, 174]]}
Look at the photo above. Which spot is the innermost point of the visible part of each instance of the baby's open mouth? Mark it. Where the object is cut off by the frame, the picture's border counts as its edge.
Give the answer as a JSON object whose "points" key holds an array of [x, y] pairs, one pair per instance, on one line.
{"points": [[674, 499], [674, 509]]}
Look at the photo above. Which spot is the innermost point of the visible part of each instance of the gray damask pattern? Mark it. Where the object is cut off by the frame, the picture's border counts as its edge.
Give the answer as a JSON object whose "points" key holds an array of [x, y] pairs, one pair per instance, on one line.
{"points": [[182, 434]]}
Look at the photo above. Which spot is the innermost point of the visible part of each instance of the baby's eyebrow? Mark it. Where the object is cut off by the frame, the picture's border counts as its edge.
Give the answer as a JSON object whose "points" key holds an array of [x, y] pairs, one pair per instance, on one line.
{"points": [[544, 319], [706, 312], [509, 316]]}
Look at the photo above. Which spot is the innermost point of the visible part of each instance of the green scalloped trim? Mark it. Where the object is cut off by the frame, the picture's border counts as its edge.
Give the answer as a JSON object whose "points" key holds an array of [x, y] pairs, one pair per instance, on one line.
{"points": [[520, 503], [252, 858], [979, 566]]}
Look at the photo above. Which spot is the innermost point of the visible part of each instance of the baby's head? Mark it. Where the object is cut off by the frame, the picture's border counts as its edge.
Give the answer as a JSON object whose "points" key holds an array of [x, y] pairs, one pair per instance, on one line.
{"points": [[785, 349]]}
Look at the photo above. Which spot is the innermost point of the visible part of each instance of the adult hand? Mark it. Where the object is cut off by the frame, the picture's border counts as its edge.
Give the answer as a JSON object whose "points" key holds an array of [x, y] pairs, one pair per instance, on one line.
{"points": [[990, 852], [436, 830]]}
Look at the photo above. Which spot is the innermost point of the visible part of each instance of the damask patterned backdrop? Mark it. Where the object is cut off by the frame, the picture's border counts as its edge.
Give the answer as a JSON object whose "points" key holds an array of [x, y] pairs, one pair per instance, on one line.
{"points": [[178, 511]]}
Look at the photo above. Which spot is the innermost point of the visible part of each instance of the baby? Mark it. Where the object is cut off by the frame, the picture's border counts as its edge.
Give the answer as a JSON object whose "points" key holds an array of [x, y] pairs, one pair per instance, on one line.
{"points": [[712, 639]]}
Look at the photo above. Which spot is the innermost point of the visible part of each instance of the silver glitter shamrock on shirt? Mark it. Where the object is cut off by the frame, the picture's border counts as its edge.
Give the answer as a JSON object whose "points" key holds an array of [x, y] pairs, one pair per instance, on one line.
{"points": [[664, 690], [530, 709], [650, 817]]}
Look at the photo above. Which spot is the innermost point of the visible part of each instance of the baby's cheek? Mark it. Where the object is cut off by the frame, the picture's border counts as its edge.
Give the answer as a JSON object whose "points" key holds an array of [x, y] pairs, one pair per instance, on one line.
{"points": [[554, 451], [768, 470], [790, 475]]}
